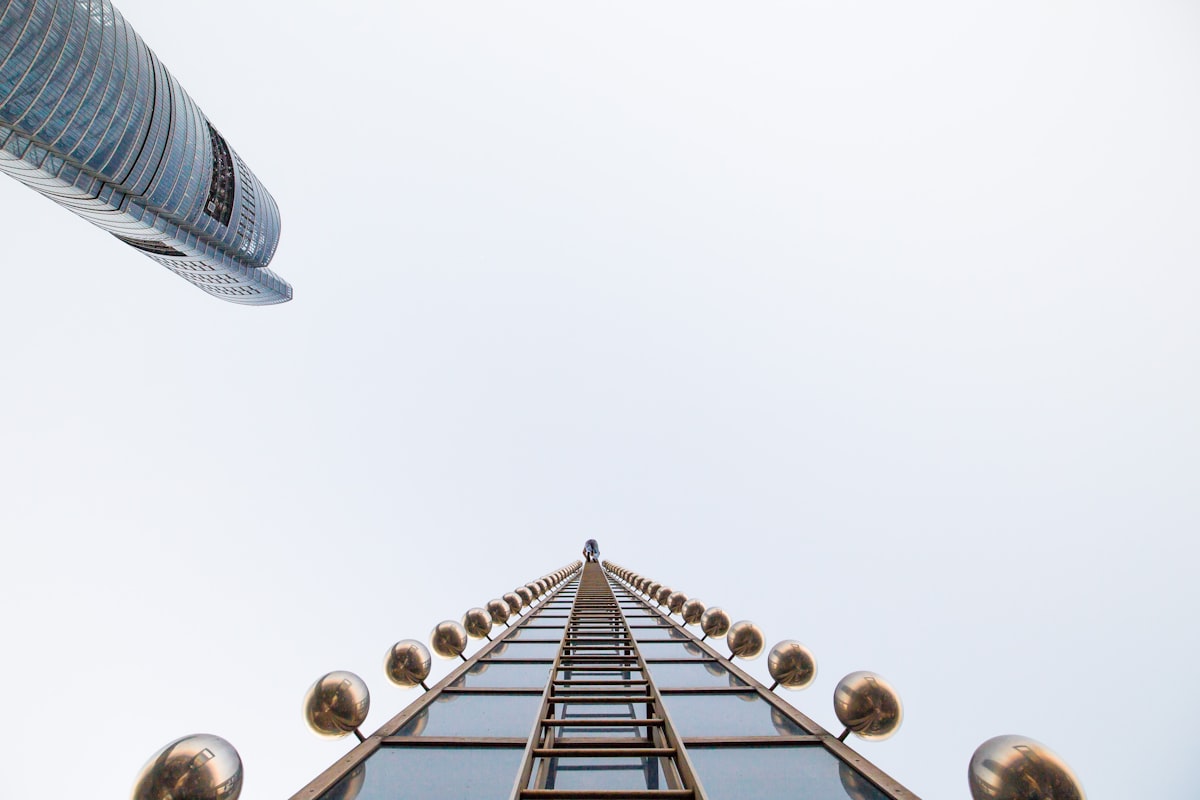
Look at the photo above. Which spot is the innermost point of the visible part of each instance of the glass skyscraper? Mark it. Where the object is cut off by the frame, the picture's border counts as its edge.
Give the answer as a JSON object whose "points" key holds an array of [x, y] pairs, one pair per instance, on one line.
{"points": [[594, 691], [91, 119]]}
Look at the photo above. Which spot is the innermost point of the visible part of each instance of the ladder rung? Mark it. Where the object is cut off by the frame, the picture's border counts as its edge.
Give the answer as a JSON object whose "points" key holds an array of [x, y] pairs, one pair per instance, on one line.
{"points": [[603, 752], [581, 699], [602, 722], [604, 794]]}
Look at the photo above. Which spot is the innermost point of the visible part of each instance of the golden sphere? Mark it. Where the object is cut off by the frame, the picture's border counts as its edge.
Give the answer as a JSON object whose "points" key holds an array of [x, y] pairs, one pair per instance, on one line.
{"points": [[337, 704], [514, 602], [525, 594], [662, 594], [652, 589], [868, 705], [478, 623], [499, 611], [1018, 768], [407, 663], [692, 611], [714, 622], [449, 639], [196, 767], [745, 639], [675, 601], [792, 665]]}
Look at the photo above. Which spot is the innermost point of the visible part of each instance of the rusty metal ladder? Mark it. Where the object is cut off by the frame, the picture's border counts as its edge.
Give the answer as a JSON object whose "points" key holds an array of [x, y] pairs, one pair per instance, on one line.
{"points": [[589, 720]]}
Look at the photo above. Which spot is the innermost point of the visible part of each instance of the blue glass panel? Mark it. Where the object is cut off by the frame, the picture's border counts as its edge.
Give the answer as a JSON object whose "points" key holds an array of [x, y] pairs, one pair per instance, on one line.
{"points": [[508, 676], [600, 773], [775, 773], [541, 631], [659, 632], [432, 773], [742, 714], [671, 650], [520, 649], [494, 715], [690, 676]]}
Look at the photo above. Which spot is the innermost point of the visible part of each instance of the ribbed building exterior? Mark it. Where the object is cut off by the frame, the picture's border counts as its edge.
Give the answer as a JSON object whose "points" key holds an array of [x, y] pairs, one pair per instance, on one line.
{"points": [[90, 118], [591, 691]]}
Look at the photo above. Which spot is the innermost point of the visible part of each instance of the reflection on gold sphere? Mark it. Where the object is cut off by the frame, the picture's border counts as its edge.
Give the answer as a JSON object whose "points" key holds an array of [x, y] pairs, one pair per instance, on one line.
{"points": [[784, 725], [514, 602], [449, 639], [336, 704], [714, 622], [792, 665], [868, 705], [855, 785], [662, 594], [196, 767], [348, 787], [745, 639], [407, 663], [525, 594], [1018, 768], [499, 611], [692, 611], [477, 622], [675, 601]]}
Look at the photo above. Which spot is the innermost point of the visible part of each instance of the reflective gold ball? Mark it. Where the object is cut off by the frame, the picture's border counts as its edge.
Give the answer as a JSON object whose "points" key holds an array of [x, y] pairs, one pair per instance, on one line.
{"points": [[692, 611], [499, 611], [792, 665], [196, 767], [336, 704], [525, 594], [407, 663], [868, 705], [449, 639], [478, 623], [1018, 768], [714, 622], [514, 602], [662, 594], [745, 639], [675, 601]]}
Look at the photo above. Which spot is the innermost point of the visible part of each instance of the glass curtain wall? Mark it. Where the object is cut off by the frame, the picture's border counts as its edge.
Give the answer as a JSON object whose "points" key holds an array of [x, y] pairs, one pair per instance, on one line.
{"points": [[481, 732]]}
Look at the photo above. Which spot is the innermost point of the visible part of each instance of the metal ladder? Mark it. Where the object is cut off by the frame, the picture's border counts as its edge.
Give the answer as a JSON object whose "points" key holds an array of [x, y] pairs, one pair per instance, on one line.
{"points": [[590, 712]]}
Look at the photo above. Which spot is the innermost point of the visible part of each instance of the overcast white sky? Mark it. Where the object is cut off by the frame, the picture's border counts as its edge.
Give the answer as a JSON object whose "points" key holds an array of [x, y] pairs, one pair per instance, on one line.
{"points": [[873, 322]]}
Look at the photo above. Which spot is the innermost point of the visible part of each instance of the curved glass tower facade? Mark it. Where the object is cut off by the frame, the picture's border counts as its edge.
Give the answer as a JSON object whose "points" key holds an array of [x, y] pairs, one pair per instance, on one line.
{"points": [[90, 118]]}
